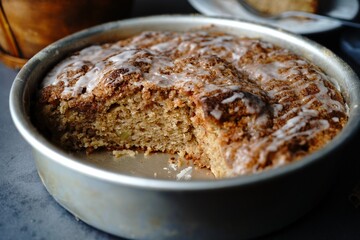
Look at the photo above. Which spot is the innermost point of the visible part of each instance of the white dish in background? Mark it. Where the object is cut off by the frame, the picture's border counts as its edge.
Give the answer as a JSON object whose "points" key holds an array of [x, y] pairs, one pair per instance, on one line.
{"points": [[231, 8]]}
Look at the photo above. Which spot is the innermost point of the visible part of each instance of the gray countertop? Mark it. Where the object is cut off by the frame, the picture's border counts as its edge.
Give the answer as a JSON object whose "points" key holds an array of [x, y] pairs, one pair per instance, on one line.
{"points": [[27, 211]]}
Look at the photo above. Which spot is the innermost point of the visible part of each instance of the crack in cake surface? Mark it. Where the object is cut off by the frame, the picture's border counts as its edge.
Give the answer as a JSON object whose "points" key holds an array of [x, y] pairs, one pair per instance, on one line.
{"points": [[235, 105]]}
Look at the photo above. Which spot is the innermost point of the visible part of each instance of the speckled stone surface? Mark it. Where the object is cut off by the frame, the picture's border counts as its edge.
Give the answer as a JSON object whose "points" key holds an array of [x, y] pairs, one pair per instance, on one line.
{"points": [[27, 211]]}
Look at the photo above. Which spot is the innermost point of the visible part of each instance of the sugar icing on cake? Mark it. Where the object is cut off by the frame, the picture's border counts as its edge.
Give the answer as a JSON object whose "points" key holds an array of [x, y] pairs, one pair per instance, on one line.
{"points": [[234, 105]]}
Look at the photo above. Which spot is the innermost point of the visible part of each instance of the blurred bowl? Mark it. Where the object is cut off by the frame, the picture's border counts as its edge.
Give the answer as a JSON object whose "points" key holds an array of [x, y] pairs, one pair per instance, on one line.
{"points": [[149, 208], [27, 26]]}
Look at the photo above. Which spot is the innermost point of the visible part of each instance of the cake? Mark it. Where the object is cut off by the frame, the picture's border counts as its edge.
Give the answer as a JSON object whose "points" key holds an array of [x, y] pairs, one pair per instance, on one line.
{"points": [[232, 104], [276, 7]]}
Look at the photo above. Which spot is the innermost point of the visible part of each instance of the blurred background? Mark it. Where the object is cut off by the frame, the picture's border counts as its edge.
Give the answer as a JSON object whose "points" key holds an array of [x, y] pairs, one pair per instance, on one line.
{"points": [[28, 26]]}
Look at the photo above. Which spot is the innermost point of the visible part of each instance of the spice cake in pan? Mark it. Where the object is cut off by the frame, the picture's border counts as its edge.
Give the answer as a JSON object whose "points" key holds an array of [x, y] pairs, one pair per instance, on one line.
{"points": [[233, 104]]}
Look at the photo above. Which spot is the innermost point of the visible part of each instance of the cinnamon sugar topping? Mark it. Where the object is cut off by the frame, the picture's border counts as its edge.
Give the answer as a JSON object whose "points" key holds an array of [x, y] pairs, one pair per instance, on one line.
{"points": [[261, 105]]}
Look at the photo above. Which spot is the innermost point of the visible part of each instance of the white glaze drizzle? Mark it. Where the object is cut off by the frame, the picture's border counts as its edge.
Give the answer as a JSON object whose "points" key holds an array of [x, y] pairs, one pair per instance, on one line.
{"points": [[233, 98], [204, 48]]}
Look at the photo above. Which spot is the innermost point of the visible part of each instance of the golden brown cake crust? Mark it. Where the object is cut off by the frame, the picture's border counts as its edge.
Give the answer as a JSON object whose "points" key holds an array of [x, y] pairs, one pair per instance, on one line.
{"points": [[236, 105]]}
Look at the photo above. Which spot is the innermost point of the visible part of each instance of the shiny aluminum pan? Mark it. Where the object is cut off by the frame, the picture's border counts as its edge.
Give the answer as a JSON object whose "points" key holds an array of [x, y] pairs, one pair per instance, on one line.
{"points": [[149, 208]]}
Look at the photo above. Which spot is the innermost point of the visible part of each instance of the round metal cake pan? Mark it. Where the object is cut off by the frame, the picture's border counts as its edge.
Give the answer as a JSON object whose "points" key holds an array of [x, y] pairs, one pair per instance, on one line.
{"points": [[148, 208]]}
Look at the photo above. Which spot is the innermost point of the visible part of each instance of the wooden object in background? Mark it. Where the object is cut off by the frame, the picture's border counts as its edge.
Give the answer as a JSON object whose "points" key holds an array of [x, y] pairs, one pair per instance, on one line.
{"points": [[27, 26]]}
